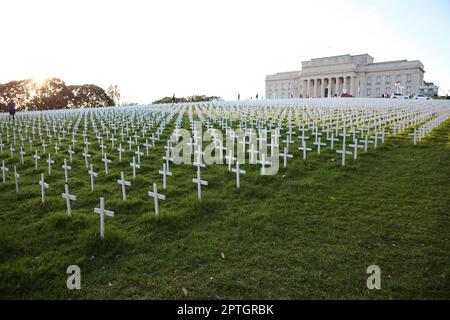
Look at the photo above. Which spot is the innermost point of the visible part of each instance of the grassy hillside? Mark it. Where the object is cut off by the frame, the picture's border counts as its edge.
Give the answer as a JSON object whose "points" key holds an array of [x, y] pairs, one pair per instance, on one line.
{"points": [[309, 232]]}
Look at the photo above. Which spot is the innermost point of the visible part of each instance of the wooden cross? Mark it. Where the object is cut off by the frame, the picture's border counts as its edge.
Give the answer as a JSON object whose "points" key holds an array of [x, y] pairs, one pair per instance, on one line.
{"points": [[22, 153], [106, 161], [355, 147], [102, 212], [65, 167], [366, 142], [238, 172], [343, 152], [16, 178], [123, 183], [304, 149], [120, 152], [139, 154], [286, 155], [50, 162], [36, 158], [134, 165], [43, 187], [68, 198], [165, 173], [199, 183], [71, 153], [86, 156], [92, 174], [156, 196], [319, 144]]}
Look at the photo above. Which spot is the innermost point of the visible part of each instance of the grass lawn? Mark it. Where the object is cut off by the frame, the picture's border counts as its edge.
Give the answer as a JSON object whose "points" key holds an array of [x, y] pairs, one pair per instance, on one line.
{"points": [[309, 232]]}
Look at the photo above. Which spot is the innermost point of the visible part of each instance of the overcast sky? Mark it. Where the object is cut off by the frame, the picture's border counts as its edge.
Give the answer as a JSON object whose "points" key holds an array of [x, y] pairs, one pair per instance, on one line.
{"points": [[153, 49]]}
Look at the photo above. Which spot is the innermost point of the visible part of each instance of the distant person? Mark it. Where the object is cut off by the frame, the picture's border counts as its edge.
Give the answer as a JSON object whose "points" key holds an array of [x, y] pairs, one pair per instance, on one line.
{"points": [[256, 96], [239, 96], [173, 98], [12, 108]]}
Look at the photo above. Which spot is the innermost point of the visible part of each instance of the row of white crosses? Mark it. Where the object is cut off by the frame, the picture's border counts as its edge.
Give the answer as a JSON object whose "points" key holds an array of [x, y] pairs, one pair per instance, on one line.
{"points": [[60, 127]]}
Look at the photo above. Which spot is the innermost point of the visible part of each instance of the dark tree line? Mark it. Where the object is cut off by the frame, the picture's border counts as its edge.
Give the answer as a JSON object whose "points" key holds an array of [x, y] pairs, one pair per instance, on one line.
{"points": [[53, 93], [196, 98]]}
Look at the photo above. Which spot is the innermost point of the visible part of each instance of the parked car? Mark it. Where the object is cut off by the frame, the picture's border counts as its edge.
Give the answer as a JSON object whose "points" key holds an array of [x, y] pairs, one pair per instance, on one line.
{"points": [[398, 96], [346, 95], [421, 97]]}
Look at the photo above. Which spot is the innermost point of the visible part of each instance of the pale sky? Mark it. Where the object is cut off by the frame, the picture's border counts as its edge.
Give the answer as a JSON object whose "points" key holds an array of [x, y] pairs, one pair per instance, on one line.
{"points": [[156, 48]]}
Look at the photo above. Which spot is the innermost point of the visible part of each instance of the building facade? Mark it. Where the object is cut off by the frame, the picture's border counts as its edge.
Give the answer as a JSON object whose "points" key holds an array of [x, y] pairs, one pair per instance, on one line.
{"points": [[356, 75]]}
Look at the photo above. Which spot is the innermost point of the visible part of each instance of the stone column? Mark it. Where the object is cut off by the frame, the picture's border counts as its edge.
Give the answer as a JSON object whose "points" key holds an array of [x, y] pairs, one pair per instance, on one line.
{"points": [[352, 85], [345, 86], [308, 87], [322, 88], [338, 86]]}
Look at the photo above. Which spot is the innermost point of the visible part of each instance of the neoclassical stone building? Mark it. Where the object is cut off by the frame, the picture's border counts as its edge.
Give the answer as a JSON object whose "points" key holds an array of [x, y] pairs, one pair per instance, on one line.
{"points": [[357, 75]]}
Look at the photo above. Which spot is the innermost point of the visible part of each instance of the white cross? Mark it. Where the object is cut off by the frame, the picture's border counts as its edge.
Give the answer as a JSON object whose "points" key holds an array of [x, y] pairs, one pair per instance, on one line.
{"points": [[86, 156], [16, 177], [22, 153], [156, 196], [71, 153], [229, 157], [139, 154], [375, 137], [332, 140], [106, 161], [120, 152], [65, 167], [50, 162], [56, 148], [263, 163], [147, 145], [11, 149], [252, 151], [130, 142], [43, 187], [366, 142], [134, 165], [343, 152], [124, 183], [165, 173], [36, 158], [286, 155], [238, 172], [153, 140], [319, 144], [167, 158], [112, 141], [103, 147], [355, 147], [68, 198], [304, 149], [44, 145], [199, 183], [102, 212], [92, 174], [414, 134]]}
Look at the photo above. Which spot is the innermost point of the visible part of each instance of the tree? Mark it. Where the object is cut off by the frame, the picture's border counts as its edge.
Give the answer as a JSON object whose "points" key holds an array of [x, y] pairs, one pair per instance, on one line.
{"points": [[114, 93], [195, 98], [23, 92], [88, 95], [52, 94]]}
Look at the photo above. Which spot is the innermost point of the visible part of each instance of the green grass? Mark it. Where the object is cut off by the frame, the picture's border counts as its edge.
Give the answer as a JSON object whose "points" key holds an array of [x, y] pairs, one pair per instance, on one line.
{"points": [[309, 232]]}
